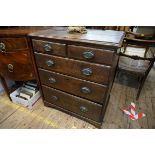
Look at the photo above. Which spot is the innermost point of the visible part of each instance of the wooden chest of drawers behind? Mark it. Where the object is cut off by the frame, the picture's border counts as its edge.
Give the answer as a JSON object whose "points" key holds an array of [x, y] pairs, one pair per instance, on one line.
{"points": [[76, 71]]}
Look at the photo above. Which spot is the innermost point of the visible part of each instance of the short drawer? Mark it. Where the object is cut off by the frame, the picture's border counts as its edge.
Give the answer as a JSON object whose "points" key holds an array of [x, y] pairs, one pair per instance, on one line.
{"points": [[74, 104], [13, 44], [49, 47], [82, 88], [91, 54], [80, 69]]}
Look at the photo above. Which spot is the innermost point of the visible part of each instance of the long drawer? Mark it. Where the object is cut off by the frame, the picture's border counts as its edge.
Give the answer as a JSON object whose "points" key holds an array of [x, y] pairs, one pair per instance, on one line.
{"points": [[91, 54], [80, 69], [82, 88], [77, 105]]}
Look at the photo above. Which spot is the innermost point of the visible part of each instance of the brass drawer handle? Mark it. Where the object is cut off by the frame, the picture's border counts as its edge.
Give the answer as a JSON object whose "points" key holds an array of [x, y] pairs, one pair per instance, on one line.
{"points": [[88, 54], [10, 68], [87, 71], [85, 90], [83, 109], [54, 98], [52, 80], [47, 47], [2, 47], [50, 63]]}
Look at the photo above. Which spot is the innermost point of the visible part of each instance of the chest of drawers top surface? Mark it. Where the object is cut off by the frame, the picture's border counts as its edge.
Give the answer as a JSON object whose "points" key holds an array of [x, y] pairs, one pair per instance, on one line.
{"points": [[98, 37]]}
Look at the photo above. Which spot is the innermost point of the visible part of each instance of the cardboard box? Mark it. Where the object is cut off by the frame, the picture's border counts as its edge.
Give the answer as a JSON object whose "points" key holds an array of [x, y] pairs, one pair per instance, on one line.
{"points": [[27, 103]]}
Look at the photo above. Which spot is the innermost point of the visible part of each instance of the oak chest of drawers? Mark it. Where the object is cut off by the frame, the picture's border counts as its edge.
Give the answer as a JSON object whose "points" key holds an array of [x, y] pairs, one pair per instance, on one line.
{"points": [[76, 71]]}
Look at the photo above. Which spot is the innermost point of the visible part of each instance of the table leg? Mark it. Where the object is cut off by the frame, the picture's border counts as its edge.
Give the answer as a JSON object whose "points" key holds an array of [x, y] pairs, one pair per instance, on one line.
{"points": [[4, 84]]}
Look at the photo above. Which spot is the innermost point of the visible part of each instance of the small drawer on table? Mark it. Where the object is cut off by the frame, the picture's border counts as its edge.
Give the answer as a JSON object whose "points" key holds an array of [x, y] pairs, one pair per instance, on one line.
{"points": [[13, 44], [49, 47], [80, 69], [72, 103], [82, 88], [91, 54], [16, 66], [17, 71]]}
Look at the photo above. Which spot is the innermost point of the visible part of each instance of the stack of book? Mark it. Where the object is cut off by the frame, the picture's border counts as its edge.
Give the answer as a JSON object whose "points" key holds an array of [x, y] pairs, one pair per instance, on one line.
{"points": [[28, 90], [26, 95]]}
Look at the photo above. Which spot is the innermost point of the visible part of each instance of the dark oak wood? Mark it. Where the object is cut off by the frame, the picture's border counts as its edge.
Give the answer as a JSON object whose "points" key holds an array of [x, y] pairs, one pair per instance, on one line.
{"points": [[73, 85], [107, 38], [54, 48], [100, 73], [73, 103], [65, 85], [100, 55]]}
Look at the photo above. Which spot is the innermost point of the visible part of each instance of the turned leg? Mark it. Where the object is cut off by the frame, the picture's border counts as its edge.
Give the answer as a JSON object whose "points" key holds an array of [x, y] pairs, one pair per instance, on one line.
{"points": [[4, 84]]}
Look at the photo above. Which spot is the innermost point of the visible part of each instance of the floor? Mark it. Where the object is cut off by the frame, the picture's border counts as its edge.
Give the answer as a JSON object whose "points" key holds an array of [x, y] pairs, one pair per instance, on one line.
{"points": [[16, 116]]}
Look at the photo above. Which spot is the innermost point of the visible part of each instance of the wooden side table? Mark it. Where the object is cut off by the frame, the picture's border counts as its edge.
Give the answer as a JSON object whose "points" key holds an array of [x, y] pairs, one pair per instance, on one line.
{"points": [[15, 55]]}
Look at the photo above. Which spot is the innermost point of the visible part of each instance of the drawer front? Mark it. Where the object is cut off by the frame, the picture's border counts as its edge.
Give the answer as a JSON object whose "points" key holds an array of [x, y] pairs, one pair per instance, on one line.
{"points": [[88, 90], [77, 105], [80, 69], [49, 47], [91, 54], [16, 66], [13, 44]]}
